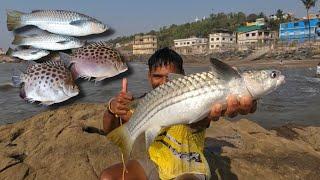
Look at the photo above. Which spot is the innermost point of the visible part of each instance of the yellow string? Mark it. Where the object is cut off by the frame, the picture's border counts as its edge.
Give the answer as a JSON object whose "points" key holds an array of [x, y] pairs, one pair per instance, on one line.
{"points": [[123, 163]]}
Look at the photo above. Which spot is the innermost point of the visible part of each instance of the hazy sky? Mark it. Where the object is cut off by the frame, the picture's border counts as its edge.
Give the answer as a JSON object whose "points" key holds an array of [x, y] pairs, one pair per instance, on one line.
{"points": [[129, 16]]}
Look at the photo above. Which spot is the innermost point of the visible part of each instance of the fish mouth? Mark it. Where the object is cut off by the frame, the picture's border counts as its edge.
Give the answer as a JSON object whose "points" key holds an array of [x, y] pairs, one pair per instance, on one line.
{"points": [[281, 80]]}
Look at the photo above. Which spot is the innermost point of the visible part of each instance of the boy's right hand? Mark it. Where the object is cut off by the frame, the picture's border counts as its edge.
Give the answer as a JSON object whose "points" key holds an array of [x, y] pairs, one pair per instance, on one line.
{"points": [[120, 103]]}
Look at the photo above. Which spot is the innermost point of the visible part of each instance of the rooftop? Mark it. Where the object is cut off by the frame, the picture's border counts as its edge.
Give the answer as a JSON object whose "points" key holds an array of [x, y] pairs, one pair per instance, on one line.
{"points": [[249, 28]]}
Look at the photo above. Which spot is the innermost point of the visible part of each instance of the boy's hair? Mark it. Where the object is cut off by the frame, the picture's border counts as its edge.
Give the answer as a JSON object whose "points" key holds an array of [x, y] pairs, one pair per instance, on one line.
{"points": [[166, 56]]}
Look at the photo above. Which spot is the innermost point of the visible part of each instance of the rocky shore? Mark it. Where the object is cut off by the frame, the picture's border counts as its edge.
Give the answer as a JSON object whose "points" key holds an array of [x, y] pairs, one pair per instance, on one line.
{"points": [[67, 143]]}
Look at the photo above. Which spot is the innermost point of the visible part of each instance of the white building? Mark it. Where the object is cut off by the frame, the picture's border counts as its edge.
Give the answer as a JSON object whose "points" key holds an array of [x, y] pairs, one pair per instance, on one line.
{"points": [[2, 51], [191, 45], [221, 40]]}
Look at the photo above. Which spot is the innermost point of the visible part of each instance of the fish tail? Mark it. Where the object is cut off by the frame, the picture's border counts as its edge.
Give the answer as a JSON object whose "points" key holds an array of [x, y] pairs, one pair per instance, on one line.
{"points": [[14, 19], [18, 40], [121, 137], [9, 52], [16, 77]]}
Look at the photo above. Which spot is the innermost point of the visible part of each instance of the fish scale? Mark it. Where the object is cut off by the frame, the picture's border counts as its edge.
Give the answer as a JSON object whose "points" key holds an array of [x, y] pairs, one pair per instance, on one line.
{"points": [[166, 92]]}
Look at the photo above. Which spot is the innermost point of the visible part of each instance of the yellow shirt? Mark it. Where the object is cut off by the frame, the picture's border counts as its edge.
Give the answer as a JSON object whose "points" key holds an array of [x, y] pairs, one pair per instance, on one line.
{"points": [[178, 150]]}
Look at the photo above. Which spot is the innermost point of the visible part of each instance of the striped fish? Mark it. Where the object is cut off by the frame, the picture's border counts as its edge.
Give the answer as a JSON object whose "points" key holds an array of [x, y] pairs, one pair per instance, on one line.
{"points": [[188, 99]]}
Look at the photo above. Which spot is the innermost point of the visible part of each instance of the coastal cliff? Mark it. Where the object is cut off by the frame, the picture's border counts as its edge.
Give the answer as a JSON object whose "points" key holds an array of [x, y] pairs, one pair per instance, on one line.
{"points": [[67, 143]]}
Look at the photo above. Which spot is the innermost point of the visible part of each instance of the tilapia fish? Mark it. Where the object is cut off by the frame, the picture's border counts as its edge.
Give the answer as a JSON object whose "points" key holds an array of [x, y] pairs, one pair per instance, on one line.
{"points": [[188, 99], [48, 41], [28, 54], [95, 60], [48, 83], [56, 21]]}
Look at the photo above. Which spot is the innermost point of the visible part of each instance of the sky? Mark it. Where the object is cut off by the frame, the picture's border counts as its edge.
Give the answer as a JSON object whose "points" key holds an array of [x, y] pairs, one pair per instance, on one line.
{"points": [[127, 17]]}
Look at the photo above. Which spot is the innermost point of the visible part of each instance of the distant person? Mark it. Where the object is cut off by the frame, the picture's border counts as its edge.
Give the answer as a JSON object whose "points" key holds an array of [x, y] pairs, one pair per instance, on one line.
{"points": [[170, 162]]}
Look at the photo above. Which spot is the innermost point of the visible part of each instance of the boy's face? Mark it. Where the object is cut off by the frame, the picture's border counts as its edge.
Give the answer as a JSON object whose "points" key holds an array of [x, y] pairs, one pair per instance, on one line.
{"points": [[159, 75]]}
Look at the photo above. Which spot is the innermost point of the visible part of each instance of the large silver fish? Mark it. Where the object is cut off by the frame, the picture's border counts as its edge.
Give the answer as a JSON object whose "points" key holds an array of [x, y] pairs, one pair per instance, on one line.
{"points": [[56, 21], [96, 60], [48, 41], [188, 99], [50, 82], [28, 54]]}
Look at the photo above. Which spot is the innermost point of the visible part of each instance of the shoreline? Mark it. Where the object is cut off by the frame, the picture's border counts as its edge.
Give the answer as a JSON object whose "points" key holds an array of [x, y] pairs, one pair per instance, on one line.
{"points": [[309, 63]]}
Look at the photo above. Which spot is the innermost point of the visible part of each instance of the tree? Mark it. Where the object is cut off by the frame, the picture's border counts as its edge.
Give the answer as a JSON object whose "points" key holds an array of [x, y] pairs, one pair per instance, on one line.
{"points": [[252, 17], [279, 14], [309, 4]]}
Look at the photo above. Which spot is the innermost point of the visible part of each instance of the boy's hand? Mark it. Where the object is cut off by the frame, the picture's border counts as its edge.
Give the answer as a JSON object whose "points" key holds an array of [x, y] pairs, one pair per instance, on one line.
{"points": [[244, 106], [119, 104]]}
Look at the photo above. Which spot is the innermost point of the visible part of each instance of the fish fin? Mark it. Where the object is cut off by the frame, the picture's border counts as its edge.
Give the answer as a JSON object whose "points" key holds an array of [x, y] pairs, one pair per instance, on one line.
{"points": [[46, 103], [77, 22], [37, 10], [223, 70], [18, 40], [62, 42], [173, 76], [100, 78], [36, 51], [14, 19], [121, 137], [9, 52], [151, 134], [74, 73], [16, 77], [66, 59]]}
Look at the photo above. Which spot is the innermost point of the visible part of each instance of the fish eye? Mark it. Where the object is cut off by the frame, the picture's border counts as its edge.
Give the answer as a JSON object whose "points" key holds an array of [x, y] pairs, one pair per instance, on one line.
{"points": [[273, 74]]}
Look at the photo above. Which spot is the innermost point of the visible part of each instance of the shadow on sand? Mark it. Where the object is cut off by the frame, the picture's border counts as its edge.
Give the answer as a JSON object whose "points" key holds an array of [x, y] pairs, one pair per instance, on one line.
{"points": [[219, 165]]}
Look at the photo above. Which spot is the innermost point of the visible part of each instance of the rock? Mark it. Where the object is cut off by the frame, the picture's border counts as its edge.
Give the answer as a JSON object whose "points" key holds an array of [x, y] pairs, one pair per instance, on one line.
{"points": [[68, 143]]}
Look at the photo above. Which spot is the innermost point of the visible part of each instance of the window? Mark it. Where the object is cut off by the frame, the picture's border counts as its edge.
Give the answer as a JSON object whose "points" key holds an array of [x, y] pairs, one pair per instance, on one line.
{"points": [[217, 45], [212, 39], [231, 39], [217, 39], [188, 42], [193, 42], [176, 43], [260, 33], [247, 35], [212, 46], [296, 24], [253, 34], [266, 33], [223, 39]]}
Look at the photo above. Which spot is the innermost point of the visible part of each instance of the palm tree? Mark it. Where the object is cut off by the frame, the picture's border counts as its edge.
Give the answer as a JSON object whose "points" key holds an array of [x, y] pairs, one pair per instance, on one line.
{"points": [[309, 4]]}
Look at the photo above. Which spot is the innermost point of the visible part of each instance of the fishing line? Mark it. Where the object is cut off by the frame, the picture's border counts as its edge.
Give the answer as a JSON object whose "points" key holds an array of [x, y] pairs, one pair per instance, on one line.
{"points": [[124, 170]]}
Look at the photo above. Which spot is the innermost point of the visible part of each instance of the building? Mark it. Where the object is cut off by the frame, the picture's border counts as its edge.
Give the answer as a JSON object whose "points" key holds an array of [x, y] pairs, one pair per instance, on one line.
{"points": [[146, 44], [191, 45], [254, 35], [258, 22], [298, 31], [1, 51], [221, 39]]}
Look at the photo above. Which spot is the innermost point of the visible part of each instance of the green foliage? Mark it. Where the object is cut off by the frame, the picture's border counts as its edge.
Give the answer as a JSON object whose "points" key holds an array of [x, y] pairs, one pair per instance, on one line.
{"points": [[309, 3], [202, 28]]}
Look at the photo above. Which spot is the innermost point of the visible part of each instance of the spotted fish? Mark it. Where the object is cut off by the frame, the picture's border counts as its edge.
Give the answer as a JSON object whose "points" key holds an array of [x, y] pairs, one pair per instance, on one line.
{"points": [[95, 60], [188, 99], [48, 83]]}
